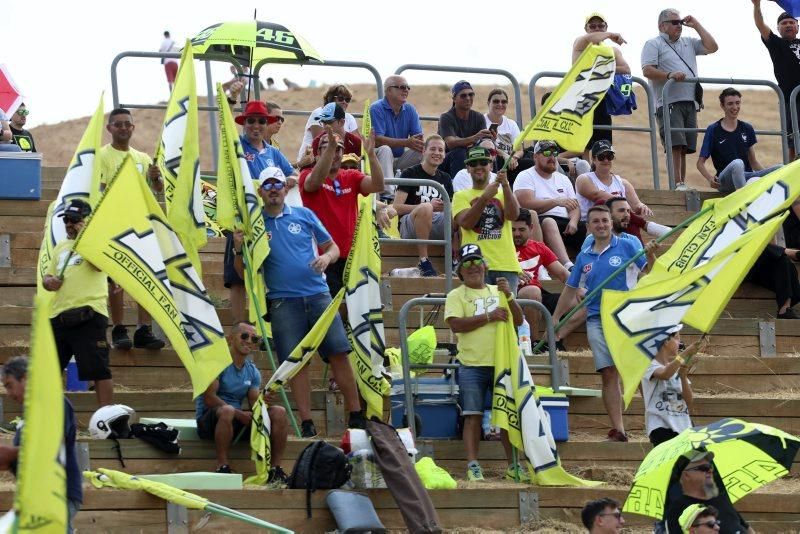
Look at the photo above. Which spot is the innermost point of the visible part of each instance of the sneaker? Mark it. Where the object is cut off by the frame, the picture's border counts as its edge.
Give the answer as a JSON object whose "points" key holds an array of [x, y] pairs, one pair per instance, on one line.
{"points": [[120, 339], [560, 347], [426, 268], [681, 187], [224, 468], [357, 420], [789, 314], [516, 473], [616, 435], [540, 350], [277, 479], [475, 473], [307, 429], [143, 338]]}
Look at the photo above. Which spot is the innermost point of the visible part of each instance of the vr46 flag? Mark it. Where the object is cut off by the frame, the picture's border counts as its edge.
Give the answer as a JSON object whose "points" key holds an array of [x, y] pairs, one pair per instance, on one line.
{"points": [[129, 238], [566, 117]]}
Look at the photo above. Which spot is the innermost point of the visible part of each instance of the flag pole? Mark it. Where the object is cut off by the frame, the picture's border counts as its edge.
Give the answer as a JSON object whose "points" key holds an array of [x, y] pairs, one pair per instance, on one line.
{"points": [[620, 269], [263, 328]]}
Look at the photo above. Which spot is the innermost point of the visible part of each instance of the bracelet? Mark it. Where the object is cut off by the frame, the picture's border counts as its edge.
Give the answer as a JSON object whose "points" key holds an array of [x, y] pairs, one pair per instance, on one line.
{"points": [[679, 359], [669, 74]]}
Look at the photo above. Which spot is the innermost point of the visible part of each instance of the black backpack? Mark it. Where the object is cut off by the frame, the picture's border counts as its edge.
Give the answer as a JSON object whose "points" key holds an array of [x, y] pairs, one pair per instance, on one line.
{"points": [[319, 466]]}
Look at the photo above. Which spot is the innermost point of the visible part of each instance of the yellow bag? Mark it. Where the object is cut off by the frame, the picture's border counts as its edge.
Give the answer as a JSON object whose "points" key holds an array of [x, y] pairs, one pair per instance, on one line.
{"points": [[421, 345], [433, 476]]}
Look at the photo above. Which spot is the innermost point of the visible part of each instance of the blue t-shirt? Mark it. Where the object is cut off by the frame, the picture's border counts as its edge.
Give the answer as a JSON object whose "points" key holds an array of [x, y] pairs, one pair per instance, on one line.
{"points": [[257, 160], [723, 146], [592, 268], [400, 126], [292, 248], [233, 386]]}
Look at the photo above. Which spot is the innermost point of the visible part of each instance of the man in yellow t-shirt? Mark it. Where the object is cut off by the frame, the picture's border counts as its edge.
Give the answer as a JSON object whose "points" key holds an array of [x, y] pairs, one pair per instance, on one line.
{"points": [[472, 312], [485, 213], [78, 313], [120, 126]]}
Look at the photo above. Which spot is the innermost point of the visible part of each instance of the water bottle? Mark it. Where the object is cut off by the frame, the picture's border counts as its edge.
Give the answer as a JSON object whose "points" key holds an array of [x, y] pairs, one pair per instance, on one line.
{"points": [[525, 339], [406, 272]]}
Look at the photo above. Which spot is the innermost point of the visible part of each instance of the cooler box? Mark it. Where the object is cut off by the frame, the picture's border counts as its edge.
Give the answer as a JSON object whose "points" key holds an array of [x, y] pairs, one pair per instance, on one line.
{"points": [[435, 404], [21, 175], [556, 406]]}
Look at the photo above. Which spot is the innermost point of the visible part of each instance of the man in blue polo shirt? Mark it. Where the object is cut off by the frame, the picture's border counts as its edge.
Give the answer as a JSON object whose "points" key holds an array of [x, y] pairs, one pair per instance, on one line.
{"points": [[593, 265], [398, 132], [298, 294]]}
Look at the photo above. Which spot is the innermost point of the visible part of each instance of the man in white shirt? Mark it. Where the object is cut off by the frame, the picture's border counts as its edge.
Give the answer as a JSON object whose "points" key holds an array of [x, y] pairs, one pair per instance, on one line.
{"points": [[551, 195], [170, 64]]}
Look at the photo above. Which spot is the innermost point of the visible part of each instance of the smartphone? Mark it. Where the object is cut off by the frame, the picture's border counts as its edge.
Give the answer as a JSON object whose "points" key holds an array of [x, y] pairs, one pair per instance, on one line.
{"points": [[493, 128]]}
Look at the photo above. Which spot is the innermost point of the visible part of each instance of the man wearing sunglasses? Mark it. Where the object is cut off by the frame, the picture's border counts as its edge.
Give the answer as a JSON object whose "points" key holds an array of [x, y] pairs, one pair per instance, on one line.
{"points": [[19, 135], [701, 484], [298, 293], [220, 412], [461, 127], [700, 519], [398, 131], [670, 56], [602, 516]]}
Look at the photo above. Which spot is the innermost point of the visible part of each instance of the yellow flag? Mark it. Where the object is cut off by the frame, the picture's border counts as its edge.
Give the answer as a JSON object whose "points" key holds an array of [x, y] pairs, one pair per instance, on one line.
{"points": [[362, 277], [178, 157], [366, 128], [110, 478], [566, 117], [516, 408], [260, 446], [209, 193], [239, 206], [81, 181], [41, 498], [128, 237], [635, 322]]}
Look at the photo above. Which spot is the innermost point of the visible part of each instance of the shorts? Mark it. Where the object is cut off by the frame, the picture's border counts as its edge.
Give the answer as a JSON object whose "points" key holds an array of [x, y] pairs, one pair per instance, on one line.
{"points": [[334, 276], [475, 386], [512, 278], [207, 423], [230, 277], [597, 342], [681, 115], [573, 241], [407, 230], [660, 435], [88, 343], [550, 301], [293, 317], [171, 70]]}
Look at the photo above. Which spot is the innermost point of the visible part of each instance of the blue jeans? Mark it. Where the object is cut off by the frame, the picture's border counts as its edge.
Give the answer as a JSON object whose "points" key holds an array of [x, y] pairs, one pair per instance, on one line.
{"points": [[474, 389], [9, 147], [294, 317], [734, 176]]}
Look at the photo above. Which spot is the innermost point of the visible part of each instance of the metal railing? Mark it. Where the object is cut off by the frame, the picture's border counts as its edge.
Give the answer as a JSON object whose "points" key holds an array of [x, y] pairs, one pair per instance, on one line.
{"points": [[652, 127], [470, 70], [793, 110], [447, 215], [668, 129], [556, 380]]}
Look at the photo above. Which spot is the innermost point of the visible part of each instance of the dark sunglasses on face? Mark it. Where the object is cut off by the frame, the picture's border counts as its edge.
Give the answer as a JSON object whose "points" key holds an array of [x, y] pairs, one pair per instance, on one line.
{"points": [[478, 163], [259, 120], [711, 523], [705, 468], [256, 340], [605, 157], [269, 186], [597, 26], [343, 99], [674, 22], [617, 514], [499, 101], [401, 87], [72, 220], [466, 95], [23, 112]]}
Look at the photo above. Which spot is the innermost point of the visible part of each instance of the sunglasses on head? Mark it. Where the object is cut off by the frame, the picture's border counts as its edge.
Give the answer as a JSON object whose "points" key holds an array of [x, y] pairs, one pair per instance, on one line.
{"points": [[72, 220], [401, 87], [499, 101], [478, 163], [23, 112], [711, 523], [608, 156], [253, 120], [340, 98], [256, 340], [705, 468], [269, 186], [472, 263], [549, 152]]}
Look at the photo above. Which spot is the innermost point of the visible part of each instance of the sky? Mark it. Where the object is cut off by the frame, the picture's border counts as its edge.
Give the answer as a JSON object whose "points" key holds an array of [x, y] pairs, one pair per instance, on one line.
{"points": [[62, 51]]}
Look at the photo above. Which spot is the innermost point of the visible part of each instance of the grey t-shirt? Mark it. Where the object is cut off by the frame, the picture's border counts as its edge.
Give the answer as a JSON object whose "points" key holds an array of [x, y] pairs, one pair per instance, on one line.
{"points": [[664, 56], [663, 402], [452, 126]]}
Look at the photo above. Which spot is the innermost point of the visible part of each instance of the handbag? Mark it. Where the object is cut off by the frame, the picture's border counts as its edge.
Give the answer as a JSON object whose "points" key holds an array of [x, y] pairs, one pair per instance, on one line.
{"points": [[698, 89]]}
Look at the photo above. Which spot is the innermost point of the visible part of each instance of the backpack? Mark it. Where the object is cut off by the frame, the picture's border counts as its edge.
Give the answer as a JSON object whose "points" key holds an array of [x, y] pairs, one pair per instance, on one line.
{"points": [[319, 466]]}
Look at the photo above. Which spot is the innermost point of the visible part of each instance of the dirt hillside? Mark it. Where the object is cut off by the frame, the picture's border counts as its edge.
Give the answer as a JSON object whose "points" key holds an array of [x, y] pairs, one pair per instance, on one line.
{"points": [[58, 141]]}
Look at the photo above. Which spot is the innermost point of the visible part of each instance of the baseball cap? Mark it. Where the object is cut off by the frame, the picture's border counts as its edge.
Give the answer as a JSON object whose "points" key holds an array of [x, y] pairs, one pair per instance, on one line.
{"points": [[545, 145], [696, 455], [784, 16], [254, 108], [330, 112], [595, 15], [274, 173], [351, 158], [477, 153], [675, 329], [469, 252], [602, 146], [460, 86], [688, 517], [77, 208]]}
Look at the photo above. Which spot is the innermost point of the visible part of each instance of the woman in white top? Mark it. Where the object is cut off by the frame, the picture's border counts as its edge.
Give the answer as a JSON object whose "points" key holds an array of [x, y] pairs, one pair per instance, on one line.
{"points": [[507, 129], [340, 94], [603, 184], [667, 392]]}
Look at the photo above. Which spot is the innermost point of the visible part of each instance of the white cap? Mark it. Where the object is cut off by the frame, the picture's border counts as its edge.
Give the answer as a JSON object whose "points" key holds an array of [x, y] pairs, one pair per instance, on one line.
{"points": [[271, 172]]}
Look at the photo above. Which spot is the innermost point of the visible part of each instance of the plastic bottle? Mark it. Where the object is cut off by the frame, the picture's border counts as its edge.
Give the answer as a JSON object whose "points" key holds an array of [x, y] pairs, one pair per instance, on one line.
{"points": [[525, 339], [406, 272]]}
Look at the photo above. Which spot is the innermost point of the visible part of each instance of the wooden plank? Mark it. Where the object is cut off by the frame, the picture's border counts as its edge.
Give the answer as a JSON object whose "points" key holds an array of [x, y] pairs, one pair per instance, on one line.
{"points": [[30, 208]]}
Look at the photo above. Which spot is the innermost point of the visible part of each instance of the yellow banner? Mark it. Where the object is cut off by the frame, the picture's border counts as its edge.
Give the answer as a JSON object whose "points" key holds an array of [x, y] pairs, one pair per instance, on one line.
{"points": [[567, 115], [260, 446], [41, 498], [110, 478], [178, 157], [128, 237]]}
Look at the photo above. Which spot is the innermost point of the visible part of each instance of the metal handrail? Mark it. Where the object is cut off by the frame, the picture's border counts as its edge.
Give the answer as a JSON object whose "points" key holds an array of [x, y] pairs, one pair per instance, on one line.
{"points": [[668, 129], [327, 63], [471, 70], [652, 128], [553, 366], [793, 110]]}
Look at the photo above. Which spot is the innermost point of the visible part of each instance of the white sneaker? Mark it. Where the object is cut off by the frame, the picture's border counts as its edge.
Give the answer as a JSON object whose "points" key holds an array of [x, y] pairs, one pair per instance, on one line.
{"points": [[681, 187]]}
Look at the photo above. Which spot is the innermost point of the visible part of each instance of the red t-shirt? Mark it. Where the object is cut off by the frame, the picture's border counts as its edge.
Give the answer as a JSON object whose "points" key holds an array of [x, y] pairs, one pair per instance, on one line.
{"points": [[636, 226], [336, 205], [531, 256]]}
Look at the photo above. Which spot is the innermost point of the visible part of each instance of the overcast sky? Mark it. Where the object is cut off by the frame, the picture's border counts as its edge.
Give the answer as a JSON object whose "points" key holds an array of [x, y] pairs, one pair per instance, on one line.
{"points": [[60, 53]]}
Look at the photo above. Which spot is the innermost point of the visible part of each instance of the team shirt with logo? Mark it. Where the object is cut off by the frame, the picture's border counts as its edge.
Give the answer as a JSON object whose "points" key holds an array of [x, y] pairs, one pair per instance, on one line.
{"points": [[557, 186], [532, 256], [665, 406], [336, 205], [492, 231], [83, 285], [723, 146], [475, 348], [424, 193]]}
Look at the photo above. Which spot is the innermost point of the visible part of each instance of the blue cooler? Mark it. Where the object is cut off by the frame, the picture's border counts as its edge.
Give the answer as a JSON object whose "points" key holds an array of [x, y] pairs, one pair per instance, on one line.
{"points": [[435, 404], [21, 175], [556, 406]]}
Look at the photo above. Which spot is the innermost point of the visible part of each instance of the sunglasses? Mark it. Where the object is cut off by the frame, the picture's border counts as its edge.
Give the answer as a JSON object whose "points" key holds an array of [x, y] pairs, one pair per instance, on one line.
{"points": [[472, 263], [122, 124], [401, 87], [346, 99], [617, 514], [549, 152], [674, 22], [256, 340], [253, 120], [337, 187], [269, 186], [606, 157], [711, 523], [705, 468], [23, 112], [499, 101], [72, 220], [597, 26], [478, 163], [466, 95]]}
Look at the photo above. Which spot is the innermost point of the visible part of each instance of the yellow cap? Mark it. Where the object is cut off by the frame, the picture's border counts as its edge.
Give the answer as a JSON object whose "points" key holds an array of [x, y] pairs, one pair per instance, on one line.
{"points": [[595, 15]]}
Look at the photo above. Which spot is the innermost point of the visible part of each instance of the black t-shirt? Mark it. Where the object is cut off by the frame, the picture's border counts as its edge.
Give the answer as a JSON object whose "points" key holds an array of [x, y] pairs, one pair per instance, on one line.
{"points": [[23, 139], [451, 126], [425, 193], [730, 520], [785, 55]]}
